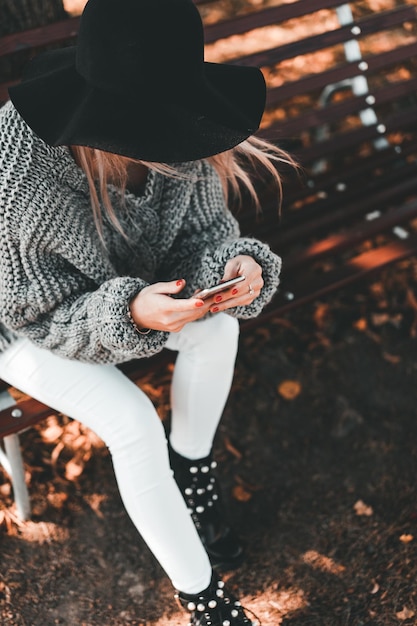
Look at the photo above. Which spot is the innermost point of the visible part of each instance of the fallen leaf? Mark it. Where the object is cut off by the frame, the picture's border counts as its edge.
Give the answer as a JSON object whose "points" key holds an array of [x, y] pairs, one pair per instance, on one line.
{"points": [[322, 562], [52, 433], [361, 324], [411, 299], [232, 449], [56, 452], [247, 485], [363, 509], [241, 494], [378, 319], [263, 333], [57, 500], [5, 489], [321, 315], [405, 613], [391, 358], [289, 389], [375, 588], [75, 467], [73, 470], [406, 538], [5, 592]]}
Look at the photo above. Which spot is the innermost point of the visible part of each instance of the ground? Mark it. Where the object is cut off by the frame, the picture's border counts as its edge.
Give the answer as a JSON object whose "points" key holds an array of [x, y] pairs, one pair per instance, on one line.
{"points": [[318, 457], [318, 454]]}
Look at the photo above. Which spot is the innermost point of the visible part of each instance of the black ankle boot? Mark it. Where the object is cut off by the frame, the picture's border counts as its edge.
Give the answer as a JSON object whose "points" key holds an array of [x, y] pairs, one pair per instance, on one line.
{"points": [[214, 606], [200, 489]]}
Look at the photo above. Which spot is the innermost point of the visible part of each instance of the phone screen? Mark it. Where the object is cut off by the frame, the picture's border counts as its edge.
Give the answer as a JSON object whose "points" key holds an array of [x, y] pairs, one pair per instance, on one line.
{"points": [[210, 291]]}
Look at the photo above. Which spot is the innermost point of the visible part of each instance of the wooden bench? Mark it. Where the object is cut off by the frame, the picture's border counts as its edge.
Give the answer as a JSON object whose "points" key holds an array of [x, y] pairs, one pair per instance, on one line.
{"points": [[342, 99]]}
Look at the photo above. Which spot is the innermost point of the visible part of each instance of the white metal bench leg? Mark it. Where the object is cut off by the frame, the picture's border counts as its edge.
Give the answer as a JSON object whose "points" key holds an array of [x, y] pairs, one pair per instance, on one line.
{"points": [[11, 460]]}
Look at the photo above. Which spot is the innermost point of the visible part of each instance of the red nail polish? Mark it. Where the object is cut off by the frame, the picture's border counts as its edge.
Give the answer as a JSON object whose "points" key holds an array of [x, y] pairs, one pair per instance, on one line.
{"points": [[199, 303], [234, 292], [218, 298], [215, 309], [179, 282]]}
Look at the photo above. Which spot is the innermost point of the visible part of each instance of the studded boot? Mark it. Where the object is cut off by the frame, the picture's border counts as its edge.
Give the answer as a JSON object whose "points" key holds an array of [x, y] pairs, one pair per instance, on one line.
{"points": [[214, 606], [199, 487]]}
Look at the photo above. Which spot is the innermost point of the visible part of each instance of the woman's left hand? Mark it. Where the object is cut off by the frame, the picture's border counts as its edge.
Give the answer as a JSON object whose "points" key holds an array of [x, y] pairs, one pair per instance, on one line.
{"points": [[243, 293]]}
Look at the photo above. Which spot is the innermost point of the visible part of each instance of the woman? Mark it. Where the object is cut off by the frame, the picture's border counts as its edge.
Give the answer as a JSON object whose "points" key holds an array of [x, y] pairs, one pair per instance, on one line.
{"points": [[116, 159]]}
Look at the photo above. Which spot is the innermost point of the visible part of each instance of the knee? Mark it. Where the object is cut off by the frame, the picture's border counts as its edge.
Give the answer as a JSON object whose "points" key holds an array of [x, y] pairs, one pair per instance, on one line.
{"points": [[215, 335], [221, 334], [137, 425], [226, 328]]}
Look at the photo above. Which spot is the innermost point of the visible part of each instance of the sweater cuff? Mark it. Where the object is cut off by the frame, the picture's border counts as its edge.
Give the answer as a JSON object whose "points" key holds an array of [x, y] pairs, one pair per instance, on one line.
{"points": [[118, 332], [271, 268]]}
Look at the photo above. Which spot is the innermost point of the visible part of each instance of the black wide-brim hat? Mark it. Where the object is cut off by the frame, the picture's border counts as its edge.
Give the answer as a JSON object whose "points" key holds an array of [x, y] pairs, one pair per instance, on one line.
{"points": [[136, 84]]}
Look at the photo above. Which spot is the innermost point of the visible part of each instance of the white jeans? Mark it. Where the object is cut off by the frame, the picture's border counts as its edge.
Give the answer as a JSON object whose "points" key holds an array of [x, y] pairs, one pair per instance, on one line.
{"points": [[105, 400]]}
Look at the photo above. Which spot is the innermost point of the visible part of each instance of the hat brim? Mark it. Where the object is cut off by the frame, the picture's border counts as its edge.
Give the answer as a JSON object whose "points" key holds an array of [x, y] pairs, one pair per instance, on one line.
{"points": [[187, 124]]}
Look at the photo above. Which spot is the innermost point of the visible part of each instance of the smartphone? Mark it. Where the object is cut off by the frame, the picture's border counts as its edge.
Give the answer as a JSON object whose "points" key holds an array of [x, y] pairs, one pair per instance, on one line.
{"points": [[210, 291]]}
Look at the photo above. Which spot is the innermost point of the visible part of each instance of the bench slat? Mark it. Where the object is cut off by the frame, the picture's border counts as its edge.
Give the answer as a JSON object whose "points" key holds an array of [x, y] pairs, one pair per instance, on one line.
{"points": [[355, 190], [314, 43], [336, 185], [274, 15], [315, 82], [356, 230], [41, 36], [341, 142], [47, 34], [32, 412], [311, 287], [353, 105], [344, 240]]}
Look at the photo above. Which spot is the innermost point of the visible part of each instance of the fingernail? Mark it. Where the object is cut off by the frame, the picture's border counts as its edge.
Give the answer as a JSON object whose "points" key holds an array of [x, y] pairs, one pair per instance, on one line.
{"points": [[179, 283], [199, 303], [218, 298], [215, 309], [234, 292]]}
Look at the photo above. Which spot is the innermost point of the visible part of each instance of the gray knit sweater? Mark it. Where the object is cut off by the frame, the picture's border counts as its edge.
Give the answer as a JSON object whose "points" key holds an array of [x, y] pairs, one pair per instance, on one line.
{"points": [[65, 291]]}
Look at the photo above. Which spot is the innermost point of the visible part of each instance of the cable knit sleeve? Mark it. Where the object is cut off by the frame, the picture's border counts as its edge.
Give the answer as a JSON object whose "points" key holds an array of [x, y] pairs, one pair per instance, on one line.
{"points": [[87, 325], [209, 237], [57, 285], [58, 307]]}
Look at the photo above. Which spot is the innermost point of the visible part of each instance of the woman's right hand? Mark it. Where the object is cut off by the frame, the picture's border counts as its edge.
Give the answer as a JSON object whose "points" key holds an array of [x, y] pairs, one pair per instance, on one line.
{"points": [[154, 308]]}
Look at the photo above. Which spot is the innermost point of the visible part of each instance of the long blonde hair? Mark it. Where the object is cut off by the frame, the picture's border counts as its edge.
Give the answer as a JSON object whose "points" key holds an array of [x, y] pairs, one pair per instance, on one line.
{"points": [[235, 168]]}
